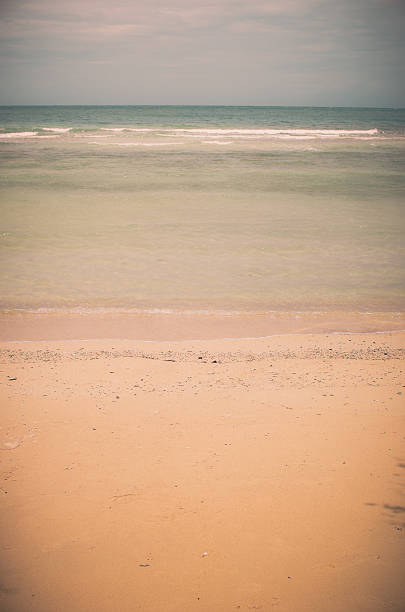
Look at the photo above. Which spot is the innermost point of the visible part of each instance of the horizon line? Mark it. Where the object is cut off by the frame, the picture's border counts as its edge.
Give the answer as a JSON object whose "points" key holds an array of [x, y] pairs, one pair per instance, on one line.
{"points": [[203, 106]]}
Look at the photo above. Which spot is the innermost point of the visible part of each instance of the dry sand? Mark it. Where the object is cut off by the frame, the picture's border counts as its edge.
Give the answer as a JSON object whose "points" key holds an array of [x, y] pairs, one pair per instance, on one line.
{"points": [[203, 475]]}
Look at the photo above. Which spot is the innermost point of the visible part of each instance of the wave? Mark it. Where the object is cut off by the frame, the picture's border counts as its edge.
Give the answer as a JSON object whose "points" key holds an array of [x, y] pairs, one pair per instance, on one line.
{"points": [[56, 129], [216, 135], [281, 136], [128, 129], [18, 134], [222, 135], [248, 131], [87, 135], [275, 132], [137, 144], [218, 142]]}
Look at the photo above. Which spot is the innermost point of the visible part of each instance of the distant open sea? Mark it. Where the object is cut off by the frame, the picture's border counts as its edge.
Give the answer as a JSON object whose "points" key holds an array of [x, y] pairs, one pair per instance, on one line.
{"points": [[189, 208]]}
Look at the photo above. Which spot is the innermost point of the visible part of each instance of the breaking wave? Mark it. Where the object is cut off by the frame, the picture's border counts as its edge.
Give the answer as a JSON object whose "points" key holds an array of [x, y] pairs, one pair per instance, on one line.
{"points": [[18, 134]]}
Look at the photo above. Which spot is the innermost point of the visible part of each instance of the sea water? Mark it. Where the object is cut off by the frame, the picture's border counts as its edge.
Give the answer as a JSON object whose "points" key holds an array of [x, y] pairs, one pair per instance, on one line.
{"points": [[163, 208]]}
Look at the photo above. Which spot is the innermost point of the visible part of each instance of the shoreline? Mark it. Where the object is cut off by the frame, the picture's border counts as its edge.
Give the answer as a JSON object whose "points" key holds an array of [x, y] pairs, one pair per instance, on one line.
{"points": [[179, 326]]}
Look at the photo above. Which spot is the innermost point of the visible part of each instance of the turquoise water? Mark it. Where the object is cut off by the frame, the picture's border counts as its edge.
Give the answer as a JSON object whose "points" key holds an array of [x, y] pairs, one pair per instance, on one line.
{"points": [[202, 208], [20, 118]]}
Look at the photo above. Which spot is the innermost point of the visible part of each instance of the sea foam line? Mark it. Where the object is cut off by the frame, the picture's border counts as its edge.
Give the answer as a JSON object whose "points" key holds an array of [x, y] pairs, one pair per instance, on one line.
{"points": [[80, 310], [56, 129], [249, 131], [272, 131], [18, 134], [136, 144], [128, 129]]}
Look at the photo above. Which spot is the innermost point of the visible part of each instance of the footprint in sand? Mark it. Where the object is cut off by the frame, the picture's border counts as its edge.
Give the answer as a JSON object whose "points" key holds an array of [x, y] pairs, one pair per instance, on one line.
{"points": [[125, 498], [9, 444]]}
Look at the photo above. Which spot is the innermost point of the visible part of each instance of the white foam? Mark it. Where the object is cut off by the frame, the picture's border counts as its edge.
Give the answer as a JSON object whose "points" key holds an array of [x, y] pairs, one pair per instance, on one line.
{"points": [[127, 129], [145, 144], [252, 134], [303, 136], [55, 129], [248, 133], [18, 134], [218, 142], [92, 135], [275, 132], [137, 144]]}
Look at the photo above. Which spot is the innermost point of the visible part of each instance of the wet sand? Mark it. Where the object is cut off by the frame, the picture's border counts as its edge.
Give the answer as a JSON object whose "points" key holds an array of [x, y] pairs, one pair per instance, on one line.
{"points": [[183, 325], [207, 475]]}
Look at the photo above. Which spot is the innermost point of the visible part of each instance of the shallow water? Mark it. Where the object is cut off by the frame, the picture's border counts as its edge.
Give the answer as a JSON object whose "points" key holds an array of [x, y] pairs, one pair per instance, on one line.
{"points": [[202, 208]]}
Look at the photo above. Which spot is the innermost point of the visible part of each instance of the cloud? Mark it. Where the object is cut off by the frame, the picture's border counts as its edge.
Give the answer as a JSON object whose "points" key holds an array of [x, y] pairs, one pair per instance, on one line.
{"points": [[272, 39], [150, 17]]}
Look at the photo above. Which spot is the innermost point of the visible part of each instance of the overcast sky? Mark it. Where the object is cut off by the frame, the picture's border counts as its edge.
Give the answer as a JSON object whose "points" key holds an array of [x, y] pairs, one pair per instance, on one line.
{"points": [[261, 52]]}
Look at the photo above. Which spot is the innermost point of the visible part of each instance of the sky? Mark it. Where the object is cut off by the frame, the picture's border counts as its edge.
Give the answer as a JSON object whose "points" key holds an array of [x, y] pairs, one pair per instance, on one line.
{"points": [[251, 52]]}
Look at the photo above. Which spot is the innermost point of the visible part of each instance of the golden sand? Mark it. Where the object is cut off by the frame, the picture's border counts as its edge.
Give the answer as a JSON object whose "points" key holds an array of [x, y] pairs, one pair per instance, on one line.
{"points": [[203, 475]]}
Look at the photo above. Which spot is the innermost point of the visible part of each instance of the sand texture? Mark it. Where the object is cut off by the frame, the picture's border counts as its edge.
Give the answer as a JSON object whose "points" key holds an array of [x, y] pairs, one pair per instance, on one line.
{"points": [[209, 476]]}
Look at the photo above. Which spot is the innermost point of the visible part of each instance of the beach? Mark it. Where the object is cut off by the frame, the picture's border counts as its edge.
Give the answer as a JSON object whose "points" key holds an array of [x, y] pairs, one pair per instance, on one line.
{"points": [[201, 358], [214, 475]]}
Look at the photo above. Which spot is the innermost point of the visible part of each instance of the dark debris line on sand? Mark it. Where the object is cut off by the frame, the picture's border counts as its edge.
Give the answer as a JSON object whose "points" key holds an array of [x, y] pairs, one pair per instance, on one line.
{"points": [[370, 352]]}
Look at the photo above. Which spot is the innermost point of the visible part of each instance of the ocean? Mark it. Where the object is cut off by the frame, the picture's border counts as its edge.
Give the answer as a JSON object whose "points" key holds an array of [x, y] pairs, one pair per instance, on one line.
{"points": [[202, 209]]}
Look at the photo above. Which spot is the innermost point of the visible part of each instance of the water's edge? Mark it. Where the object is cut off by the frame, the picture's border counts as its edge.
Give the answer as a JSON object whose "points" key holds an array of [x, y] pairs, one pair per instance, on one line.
{"points": [[148, 326]]}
